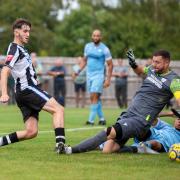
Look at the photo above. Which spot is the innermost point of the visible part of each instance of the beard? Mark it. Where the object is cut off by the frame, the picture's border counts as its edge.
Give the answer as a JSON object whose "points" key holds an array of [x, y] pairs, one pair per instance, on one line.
{"points": [[96, 41]]}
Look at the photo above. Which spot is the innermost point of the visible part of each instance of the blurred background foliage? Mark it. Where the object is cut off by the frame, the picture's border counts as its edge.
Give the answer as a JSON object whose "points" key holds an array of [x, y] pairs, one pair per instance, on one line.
{"points": [[144, 25]]}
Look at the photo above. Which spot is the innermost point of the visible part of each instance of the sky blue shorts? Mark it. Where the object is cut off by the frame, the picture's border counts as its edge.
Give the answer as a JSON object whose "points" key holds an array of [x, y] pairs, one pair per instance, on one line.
{"points": [[95, 84]]}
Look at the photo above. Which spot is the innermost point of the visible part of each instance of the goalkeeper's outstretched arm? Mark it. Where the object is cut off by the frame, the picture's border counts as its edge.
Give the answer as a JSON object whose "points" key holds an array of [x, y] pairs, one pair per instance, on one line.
{"points": [[138, 69]]}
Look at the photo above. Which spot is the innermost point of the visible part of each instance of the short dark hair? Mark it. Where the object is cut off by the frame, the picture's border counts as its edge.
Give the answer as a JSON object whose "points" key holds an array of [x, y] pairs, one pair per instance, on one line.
{"points": [[165, 54], [19, 22]]}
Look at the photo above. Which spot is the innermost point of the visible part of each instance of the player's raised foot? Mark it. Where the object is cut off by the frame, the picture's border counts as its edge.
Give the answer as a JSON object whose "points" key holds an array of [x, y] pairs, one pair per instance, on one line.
{"points": [[89, 123], [102, 123], [60, 148], [143, 149]]}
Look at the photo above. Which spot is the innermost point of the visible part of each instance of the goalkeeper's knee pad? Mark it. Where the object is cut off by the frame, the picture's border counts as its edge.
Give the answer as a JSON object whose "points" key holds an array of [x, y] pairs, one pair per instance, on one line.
{"points": [[117, 127]]}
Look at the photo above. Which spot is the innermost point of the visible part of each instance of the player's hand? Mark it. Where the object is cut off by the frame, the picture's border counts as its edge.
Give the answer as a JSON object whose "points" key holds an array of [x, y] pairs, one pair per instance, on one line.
{"points": [[74, 75], [131, 58], [4, 98], [106, 83]]}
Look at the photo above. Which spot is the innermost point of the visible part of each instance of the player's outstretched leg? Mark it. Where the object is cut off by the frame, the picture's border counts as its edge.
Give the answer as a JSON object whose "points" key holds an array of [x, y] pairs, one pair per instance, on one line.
{"points": [[30, 131], [8, 139], [92, 115], [57, 111], [88, 144], [100, 114]]}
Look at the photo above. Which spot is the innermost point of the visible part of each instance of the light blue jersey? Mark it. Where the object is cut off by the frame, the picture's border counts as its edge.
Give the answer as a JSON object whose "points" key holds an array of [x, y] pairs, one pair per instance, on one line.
{"points": [[96, 56], [164, 134]]}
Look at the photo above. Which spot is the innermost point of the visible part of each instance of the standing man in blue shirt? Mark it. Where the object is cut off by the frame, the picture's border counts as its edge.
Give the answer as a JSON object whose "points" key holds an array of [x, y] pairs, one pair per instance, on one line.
{"points": [[120, 72], [96, 54], [79, 83]]}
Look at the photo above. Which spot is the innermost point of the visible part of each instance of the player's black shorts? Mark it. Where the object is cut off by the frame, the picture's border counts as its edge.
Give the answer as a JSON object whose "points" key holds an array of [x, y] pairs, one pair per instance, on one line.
{"points": [[78, 87], [31, 100], [132, 126]]}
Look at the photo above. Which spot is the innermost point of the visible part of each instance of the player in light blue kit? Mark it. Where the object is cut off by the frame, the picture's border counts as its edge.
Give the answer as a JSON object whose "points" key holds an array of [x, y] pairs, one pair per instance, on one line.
{"points": [[160, 138], [96, 54], [163, 136]]}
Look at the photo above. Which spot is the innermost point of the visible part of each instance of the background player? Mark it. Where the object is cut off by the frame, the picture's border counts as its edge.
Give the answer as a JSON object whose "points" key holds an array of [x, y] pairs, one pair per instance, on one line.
{"points": [[96, 54]]}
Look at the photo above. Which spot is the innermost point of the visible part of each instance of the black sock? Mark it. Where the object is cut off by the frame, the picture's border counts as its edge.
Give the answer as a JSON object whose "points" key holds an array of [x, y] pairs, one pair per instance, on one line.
{"points": [[8, 139], [60, 135], [128, 149]]}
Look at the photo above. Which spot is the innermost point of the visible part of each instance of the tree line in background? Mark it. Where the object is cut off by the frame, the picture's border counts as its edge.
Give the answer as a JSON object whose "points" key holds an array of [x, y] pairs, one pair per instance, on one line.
{"points": [[144, 25]]}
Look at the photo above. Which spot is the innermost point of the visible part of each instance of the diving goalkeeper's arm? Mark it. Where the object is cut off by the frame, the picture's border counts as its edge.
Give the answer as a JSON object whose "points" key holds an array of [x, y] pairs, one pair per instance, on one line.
{"points": [[138, 69]]}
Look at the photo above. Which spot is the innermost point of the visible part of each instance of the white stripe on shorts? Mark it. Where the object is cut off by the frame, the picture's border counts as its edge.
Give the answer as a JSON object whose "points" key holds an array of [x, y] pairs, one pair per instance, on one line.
{"points": [[8, 140], [38, 92]]}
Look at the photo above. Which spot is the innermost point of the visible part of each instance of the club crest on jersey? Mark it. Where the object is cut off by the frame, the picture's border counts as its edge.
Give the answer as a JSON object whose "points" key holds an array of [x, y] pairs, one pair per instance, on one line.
{"points": [[163, 80], [9, 57], [99, 50]]}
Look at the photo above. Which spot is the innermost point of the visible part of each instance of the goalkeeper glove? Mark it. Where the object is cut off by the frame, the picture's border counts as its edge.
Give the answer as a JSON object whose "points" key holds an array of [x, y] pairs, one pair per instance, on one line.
{"points": [[131, 59], [176, 112]]}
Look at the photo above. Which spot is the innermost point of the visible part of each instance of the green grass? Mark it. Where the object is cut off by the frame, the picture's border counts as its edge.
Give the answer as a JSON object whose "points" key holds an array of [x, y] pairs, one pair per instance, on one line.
{"points": [[35, 159]]}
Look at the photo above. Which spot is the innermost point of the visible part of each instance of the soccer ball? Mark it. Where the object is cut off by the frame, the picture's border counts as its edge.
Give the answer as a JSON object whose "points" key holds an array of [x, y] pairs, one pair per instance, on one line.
{"points": [[174, 152]]}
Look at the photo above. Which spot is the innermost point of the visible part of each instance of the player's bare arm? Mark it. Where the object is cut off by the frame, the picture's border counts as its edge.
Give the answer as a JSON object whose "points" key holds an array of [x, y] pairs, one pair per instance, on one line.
{"points": [[54, 73], [4, 77], [138, 69], [109, 74], [82, 66]]}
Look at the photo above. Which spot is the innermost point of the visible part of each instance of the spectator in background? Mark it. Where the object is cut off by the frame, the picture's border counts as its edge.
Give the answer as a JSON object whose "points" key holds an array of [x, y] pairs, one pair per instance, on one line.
{"points": [[79, 82], [1, 66], [59, 72], [38, 68], [121, 73], [11, 93], [148, 62]]}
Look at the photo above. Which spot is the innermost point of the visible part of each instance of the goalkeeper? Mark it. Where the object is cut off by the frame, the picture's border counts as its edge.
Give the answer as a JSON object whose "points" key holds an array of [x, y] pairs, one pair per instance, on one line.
{"points": [[160, 85]]}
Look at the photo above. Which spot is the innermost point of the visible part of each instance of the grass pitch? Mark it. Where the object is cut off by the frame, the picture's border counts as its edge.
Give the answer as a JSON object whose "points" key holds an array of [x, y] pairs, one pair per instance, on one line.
{"points": [[35, 160]]}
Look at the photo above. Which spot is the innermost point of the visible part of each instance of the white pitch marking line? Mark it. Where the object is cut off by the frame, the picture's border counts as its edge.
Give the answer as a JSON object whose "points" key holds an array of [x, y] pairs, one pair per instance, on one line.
{"points": [[67, 130]]}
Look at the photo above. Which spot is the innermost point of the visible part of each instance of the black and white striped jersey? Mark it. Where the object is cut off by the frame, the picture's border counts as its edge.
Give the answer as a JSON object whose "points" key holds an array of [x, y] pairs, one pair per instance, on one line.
{"points": [[21, 66]]}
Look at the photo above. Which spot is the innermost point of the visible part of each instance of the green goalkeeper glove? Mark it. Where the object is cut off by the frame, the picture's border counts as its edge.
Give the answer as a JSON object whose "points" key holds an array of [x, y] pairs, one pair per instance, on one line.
{"points": [[131, 59]]}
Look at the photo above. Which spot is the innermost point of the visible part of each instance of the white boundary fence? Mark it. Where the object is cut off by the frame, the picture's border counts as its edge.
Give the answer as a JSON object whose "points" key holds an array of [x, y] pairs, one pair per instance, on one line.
{"points": [[108, 96]]}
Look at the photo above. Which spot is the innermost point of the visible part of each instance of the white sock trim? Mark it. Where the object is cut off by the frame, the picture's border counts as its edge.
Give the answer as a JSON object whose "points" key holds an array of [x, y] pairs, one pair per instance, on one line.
{"points": [[8, 139]]}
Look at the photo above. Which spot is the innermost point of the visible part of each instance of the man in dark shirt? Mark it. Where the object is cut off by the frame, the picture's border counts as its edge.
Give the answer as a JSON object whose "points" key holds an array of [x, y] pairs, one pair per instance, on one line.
{"points": [[59, 72]]}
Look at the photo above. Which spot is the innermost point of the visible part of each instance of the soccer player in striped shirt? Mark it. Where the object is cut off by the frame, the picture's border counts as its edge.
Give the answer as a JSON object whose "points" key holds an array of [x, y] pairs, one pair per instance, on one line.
{"points": [[29, 97]]}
